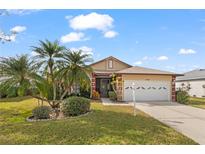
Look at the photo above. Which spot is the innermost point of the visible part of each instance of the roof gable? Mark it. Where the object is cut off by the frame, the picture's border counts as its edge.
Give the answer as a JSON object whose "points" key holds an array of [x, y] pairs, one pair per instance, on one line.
{"points": [[103, 65], [110, 57]]}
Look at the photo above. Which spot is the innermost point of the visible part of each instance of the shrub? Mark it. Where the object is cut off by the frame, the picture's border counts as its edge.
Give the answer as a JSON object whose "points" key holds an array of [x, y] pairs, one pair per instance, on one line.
{"points": [[112, 95], [11, 92], [74, 106], [42, 112], [95, 95], [85, 93], [2, 93], [182, 97]]}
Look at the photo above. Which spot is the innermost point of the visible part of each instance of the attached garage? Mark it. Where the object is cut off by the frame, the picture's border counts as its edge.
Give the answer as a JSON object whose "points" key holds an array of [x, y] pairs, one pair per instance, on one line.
{"points": [[151, 90], [149, 84]]}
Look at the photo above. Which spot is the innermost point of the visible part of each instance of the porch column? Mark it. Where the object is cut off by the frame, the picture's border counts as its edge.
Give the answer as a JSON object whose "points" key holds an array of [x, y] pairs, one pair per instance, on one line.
{"points": [[119, 87], [93, 82], [173, 89]]}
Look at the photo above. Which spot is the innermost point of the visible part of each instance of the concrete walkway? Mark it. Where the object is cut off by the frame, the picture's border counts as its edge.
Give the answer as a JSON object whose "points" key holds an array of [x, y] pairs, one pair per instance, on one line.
{"points": [[188, 120], [107, 102]]}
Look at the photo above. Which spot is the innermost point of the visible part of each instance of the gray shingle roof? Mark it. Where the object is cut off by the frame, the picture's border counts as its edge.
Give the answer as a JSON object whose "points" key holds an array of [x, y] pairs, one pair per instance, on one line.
{"points": [[143, 70], [197, 74]]}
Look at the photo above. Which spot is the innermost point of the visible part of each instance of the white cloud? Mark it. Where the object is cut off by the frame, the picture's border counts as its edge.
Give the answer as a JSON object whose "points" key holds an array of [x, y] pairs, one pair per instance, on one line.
{"points": [[153, 58], [138, 63], [161, 58], [73, 36], [85, 50], [18, 29], [145, 58], [13, 37], [20, 11], [110, 34], [93, 20], [186, 51], [34, 53], [148, 58], [68, 17]]}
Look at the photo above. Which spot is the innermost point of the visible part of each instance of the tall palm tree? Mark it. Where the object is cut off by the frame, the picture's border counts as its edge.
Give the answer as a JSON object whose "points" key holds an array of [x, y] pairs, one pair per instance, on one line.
{"points": [[16, 72], [74, 70], [47, 53]]}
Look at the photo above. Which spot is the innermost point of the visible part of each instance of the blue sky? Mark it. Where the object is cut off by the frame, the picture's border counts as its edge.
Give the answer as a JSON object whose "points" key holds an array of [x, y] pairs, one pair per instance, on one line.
{"points": [[172, 40]]}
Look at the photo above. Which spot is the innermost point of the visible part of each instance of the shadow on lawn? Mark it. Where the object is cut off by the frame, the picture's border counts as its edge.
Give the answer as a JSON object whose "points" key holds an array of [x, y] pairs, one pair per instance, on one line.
{"points": [[98, 127], [15, 99]]}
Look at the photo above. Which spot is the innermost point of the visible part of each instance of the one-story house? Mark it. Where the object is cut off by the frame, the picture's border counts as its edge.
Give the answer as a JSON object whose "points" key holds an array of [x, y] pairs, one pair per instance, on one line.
{"points": [[194, 80], [150, 84]]}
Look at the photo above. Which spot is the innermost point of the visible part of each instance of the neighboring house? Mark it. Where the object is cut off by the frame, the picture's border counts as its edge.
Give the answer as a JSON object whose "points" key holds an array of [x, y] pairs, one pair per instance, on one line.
{"points": [[194, 80], [149, 84]]}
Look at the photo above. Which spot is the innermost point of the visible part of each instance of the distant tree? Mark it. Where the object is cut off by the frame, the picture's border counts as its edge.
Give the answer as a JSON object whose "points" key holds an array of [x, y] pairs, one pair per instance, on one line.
{"points": [[16, 72], [7, 37]]}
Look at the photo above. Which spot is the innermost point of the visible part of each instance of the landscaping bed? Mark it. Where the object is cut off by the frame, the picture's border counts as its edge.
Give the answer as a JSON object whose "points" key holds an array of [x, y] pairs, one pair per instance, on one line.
{"points": [[104, 125]]}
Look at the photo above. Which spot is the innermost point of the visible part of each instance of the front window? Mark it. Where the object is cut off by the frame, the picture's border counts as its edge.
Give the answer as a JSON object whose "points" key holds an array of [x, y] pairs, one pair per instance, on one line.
{"points": [[110, 64]]}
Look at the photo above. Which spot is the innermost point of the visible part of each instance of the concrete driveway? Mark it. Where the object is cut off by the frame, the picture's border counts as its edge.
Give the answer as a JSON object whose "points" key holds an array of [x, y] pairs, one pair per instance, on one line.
{"points": [[188, 120]]}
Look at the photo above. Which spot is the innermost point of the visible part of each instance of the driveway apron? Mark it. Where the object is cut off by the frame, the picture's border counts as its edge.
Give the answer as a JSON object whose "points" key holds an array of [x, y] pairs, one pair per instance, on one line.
{"points": [[187, 120]]}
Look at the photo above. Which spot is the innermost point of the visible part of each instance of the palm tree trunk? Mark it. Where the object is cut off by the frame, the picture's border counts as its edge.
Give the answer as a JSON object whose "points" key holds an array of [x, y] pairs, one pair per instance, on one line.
{"points": [[50, 65], [64, 93]]}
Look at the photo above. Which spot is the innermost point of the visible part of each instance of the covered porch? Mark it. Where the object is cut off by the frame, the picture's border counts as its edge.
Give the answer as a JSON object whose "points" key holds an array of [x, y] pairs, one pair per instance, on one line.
{"points": [[101, 82]]}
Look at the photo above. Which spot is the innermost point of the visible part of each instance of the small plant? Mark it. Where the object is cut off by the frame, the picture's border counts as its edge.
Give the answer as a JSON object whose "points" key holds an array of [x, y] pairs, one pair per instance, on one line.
{"points": [[95, 95], [74, 106], [112, 95], [182, 96], [42, 112]]}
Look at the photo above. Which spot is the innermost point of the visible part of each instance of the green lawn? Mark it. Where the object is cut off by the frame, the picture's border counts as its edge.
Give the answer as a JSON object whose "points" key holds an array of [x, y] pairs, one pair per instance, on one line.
{"points": [[197, 102], [104, 125]]}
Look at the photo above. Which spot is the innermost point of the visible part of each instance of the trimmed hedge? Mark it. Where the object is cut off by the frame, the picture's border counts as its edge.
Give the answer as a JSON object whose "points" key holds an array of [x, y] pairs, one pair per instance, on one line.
{"points": [[74, 106], [182, 97], [42, 112], [112, 95]]}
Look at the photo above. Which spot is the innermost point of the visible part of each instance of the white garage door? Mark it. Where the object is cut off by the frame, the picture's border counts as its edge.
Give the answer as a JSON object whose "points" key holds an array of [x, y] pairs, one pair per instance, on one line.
{"points": [[147, 90]]}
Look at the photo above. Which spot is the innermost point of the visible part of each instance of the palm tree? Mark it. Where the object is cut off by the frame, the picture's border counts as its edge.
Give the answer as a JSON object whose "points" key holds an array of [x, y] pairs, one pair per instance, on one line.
{"points": [[16, 72], [74, 71], [47, 53]]}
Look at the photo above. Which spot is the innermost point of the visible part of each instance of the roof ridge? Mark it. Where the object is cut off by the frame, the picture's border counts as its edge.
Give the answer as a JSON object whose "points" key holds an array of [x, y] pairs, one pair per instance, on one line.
{"points": [[144, 70], [108, 58], [150, 69]]}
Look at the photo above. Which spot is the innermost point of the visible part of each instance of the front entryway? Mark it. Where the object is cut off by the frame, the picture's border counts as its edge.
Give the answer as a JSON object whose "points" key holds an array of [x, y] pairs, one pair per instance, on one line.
{"points": [[103, 86]]}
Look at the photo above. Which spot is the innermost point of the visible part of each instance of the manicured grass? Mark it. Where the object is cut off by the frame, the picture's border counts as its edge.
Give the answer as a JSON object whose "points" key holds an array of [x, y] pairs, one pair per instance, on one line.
{"points": [[104, 125], [197, 102]]}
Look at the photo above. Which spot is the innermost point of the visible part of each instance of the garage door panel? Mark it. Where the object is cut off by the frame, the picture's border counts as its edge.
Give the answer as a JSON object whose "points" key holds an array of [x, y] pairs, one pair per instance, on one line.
{"points": [[147, 90]]}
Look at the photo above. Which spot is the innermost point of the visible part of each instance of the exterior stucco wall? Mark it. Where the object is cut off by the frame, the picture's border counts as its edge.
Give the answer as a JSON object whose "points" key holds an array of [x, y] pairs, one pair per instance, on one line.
{"points": [[196, 87], [168, 78], [103, 65]]}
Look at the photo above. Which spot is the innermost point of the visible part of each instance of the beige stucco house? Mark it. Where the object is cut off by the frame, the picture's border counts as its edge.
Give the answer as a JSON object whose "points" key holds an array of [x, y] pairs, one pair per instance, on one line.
{"points": [[149, 84]]}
